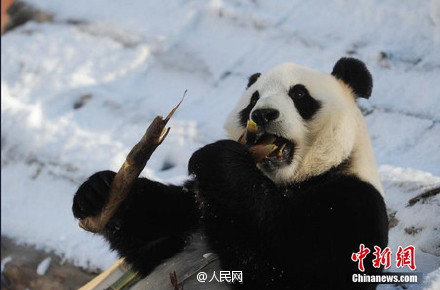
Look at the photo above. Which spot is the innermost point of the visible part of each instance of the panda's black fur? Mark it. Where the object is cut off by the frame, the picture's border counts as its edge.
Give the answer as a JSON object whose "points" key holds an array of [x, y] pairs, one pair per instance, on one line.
{"points": [[244, 114], [354, 73], [306, 105], [295, 236]]}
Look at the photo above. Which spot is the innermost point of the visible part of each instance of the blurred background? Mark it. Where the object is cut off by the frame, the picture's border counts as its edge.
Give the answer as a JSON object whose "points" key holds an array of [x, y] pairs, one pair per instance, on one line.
{"points": [[81, 80]]}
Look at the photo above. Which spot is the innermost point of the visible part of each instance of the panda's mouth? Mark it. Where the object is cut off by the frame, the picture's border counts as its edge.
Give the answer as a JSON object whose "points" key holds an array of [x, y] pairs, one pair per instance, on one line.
{"points": [[282, 153]]}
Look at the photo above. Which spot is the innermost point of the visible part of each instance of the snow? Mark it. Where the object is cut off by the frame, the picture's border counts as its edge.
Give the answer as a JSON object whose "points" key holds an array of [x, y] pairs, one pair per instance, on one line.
{"points": [[122, 64], [44, 266], [434, 280], [4, 262]]}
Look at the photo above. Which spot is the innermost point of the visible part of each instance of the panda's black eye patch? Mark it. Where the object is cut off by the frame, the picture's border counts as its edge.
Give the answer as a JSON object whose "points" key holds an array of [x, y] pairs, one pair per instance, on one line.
{"points": [[244, 114], [252, 79], [306, 105], [298, 92]]}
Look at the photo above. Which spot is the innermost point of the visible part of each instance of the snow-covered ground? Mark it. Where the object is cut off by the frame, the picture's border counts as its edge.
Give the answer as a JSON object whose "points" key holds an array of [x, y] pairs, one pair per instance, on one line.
{"points": [[77, 93]]}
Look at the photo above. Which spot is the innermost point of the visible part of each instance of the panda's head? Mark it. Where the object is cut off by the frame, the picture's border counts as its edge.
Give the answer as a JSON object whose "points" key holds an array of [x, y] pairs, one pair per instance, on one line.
{"points": [[314, 117]]}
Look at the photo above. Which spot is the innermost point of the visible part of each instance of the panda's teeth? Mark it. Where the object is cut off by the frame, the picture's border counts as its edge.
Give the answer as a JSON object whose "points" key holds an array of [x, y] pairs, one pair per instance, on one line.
{"points": [[280, 154], [281, 151]]}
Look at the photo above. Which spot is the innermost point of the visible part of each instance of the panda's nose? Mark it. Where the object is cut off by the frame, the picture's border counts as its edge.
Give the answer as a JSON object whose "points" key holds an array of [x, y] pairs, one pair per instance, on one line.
{"points": [[264, 116]]}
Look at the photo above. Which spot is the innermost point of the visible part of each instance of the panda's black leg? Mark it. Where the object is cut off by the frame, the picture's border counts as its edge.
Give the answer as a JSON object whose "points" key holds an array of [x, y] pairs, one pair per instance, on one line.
{"points": [[151, 225]]}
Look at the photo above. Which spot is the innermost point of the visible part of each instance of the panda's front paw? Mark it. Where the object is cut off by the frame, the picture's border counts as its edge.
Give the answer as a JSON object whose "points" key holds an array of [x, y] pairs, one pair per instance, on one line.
{"points": [[221, 161], [92, 194]]}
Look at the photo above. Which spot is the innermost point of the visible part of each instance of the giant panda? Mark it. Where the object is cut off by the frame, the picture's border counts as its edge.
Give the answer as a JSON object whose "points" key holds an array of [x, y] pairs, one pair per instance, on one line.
{"points": [[289, 221]]}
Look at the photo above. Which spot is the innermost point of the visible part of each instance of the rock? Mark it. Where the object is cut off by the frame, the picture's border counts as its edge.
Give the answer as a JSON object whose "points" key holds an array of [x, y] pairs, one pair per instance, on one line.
{"points": [[20, 272]]}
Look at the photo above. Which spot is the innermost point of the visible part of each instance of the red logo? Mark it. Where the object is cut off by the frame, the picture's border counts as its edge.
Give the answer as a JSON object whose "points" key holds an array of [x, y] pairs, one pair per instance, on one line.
{"points": [[360, 256], [382, 258], [404, 257]]}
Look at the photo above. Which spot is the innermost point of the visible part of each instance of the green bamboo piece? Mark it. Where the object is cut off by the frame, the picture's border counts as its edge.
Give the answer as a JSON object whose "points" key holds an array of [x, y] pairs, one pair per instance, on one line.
{"points": [[126, 281]]}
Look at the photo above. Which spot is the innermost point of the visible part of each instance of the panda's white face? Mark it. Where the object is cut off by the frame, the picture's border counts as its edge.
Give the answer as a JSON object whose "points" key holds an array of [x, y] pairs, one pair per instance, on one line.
{"points": [[313, 115]]}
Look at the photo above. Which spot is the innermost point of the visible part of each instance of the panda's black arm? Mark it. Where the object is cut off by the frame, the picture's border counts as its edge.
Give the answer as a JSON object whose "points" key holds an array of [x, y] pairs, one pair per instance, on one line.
{"points": [[151, 224], [229, 182]]}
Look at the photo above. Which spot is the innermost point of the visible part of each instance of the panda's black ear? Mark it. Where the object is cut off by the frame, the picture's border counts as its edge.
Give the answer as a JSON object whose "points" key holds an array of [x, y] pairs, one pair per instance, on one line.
{"points": [[355, 74], [252, 79]]}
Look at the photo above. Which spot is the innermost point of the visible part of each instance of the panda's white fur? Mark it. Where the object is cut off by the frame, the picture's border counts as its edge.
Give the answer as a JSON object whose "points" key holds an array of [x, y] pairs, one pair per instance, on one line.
{"points": [[336, 132]]}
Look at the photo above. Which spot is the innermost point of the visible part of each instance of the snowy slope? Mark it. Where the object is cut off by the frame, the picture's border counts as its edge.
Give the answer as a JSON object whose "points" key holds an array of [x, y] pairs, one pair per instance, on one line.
{"points": [[78, 93]]}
